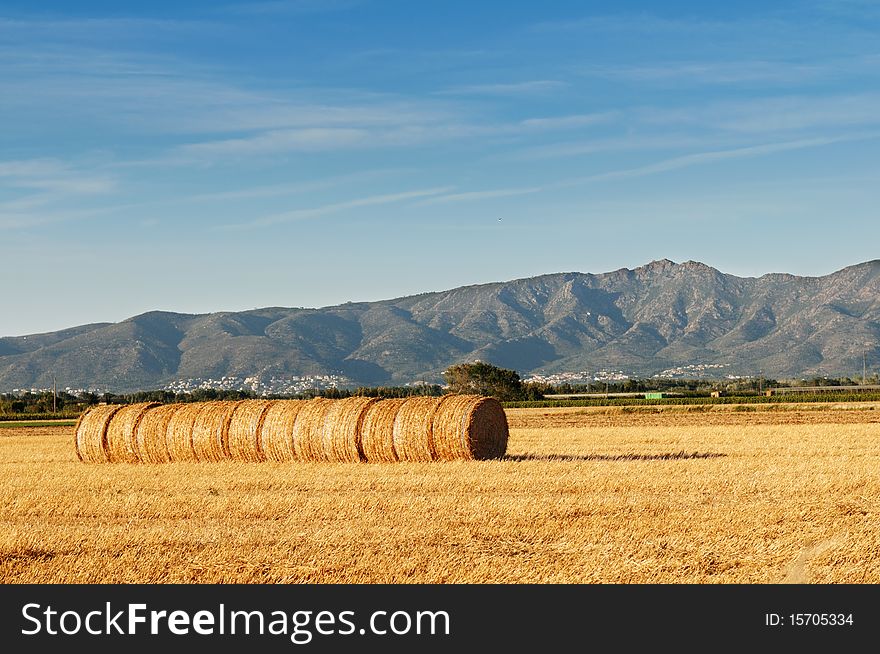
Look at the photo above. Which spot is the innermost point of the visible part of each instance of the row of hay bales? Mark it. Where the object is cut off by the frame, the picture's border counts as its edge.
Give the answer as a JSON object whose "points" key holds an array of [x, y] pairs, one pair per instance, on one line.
{"points": [[452, 427]]}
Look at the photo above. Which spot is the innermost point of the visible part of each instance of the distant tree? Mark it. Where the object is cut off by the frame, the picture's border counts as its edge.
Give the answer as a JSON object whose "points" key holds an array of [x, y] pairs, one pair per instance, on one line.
{"points": [[90, 398], [485, 379]]}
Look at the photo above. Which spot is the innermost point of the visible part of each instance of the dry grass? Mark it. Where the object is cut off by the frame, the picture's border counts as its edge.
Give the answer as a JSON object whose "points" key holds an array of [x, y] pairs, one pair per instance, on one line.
{"points": [[615, 502]]}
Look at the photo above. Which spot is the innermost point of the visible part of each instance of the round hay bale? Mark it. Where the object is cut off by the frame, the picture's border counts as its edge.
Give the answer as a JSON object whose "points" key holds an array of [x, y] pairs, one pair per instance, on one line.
{"points": [[308, 432], [179, 433], [342, 429], [244, 430], [469, 427], [275, 437], [377, 431], [412, 429], [91, 432], [121, 445], [210, 433], [150, 434], [445, 423]]}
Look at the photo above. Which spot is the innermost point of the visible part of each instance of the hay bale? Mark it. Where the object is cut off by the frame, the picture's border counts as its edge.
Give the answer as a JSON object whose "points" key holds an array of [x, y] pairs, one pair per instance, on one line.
{"points": [[377, 431], [244, 430], [469, 427], [91, 432], [121, 445], [412, 429], [150, 434], [342, 429], [179, 433], [275, 437], [210, 433], [308, 432], [443, 429]]}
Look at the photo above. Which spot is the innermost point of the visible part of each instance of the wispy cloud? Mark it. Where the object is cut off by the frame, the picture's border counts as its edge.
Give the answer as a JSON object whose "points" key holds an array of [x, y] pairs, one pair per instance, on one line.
{"points": [[87, 31], [780, 114], [156, 92], [52, 176], [480, 195], [570, 122], [293, 188], [665, 165], [160, 100], [275, 7], [630, 23], [315, 212], [861, 10], [626, 143], [512, 88], [292, 140], [382, 136], [23, 219], [713, 72], [701, 158]]}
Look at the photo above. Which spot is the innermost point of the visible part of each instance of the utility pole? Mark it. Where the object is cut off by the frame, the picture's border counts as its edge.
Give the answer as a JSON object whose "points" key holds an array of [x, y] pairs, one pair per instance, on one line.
{"points": [[54, 396], [864, 368]]}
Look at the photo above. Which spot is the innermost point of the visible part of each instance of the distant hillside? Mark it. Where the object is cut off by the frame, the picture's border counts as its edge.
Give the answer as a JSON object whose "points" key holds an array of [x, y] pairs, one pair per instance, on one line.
{"points": [[655, 317]]}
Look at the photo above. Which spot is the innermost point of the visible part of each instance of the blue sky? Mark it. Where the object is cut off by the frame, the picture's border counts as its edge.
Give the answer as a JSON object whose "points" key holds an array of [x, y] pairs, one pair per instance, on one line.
{"points": [[204, 156]]}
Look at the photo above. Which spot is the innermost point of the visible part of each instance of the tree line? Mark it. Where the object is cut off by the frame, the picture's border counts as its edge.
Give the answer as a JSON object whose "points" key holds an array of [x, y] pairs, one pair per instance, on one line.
{"points": [[478, 378]]}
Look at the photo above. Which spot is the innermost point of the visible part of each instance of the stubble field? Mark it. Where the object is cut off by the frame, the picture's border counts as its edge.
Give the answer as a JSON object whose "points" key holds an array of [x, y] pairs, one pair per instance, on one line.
{"points": [[720, 495]]}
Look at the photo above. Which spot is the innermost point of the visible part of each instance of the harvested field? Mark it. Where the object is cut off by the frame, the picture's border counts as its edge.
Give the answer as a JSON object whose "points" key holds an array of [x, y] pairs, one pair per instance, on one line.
{"points": [[572, 502], [861, 413]]}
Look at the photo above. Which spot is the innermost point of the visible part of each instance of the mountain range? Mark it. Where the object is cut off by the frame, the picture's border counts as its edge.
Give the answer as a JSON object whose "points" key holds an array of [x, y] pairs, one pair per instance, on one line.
{"points": [[642, 321]]}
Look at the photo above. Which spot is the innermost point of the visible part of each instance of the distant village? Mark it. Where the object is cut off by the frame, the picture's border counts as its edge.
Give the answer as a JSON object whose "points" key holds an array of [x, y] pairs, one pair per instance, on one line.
{"points": [[259, 386], [296, 384], [582, 377], [692, 371], [270, 386]]}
